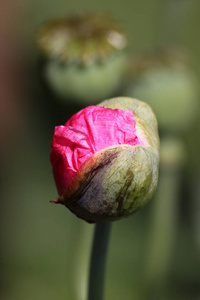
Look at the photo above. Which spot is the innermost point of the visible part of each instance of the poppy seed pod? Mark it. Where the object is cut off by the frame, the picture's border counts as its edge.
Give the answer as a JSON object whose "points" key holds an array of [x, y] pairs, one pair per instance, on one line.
{"points": [[105, 159], [83, 56], [166, 81]]}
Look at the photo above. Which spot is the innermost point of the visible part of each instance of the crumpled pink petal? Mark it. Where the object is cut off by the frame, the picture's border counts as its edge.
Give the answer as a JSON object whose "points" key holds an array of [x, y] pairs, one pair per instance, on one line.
{"points": [[90, 130]]}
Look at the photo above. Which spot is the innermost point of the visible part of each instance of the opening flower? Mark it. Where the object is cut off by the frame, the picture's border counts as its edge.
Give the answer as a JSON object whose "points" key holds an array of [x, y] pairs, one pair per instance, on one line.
{"points": [[90, 130], [105, 159]]}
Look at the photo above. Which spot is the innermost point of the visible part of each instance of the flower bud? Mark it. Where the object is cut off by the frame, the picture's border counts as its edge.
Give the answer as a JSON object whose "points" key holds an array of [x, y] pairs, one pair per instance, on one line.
{"points": [[121, 174], [84, 56]]}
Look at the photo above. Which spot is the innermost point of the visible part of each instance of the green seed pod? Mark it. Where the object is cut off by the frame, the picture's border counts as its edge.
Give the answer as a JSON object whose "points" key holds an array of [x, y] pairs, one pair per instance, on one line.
{"points": [[84, 57], [166, 82], [118, 180]]}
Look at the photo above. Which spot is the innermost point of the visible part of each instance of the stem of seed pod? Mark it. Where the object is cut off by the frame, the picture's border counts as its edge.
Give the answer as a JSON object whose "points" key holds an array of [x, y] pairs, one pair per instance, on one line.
{"points": [[162, 234], [98, 261]]}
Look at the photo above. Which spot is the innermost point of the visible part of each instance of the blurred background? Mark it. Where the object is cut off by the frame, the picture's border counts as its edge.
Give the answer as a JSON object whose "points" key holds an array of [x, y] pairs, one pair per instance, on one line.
{"points": [[154, 254]]}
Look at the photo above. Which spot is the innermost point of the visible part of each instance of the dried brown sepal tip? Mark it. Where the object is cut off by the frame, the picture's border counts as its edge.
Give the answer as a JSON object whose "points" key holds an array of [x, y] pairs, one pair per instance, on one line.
{"points": [[55, 201]]}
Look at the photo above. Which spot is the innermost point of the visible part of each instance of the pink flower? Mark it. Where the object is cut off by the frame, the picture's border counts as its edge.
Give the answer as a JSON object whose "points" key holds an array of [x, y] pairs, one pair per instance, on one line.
{"points": [[105, 160], [90, 130]]}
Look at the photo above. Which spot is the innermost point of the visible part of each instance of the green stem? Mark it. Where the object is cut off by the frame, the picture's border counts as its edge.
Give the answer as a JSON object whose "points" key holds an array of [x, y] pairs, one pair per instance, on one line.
{"points": [[79, 259], [163, 233], [163, 227], [98, 261]]}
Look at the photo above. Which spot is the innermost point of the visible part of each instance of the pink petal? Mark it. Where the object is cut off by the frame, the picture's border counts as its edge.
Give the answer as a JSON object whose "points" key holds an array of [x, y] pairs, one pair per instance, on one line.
{"points": [[85, 133]]}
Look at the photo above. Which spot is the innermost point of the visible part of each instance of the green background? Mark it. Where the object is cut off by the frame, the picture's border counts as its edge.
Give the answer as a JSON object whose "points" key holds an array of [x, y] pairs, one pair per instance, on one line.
{"points": [[44, 248]]}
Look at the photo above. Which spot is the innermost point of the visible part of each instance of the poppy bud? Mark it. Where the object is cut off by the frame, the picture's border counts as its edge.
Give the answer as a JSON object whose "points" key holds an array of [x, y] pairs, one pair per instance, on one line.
{"points": [[105, 159]]}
